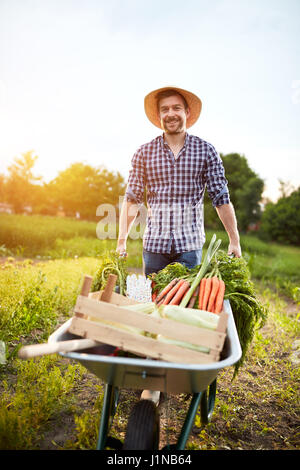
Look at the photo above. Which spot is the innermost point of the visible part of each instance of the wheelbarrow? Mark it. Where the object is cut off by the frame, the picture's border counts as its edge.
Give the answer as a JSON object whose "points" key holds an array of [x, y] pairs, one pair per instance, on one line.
{"points": [[143, 428]]}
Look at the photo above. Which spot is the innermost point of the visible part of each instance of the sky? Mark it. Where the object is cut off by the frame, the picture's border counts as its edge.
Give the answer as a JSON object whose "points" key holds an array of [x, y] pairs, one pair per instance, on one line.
{"points": [[74, 74]]}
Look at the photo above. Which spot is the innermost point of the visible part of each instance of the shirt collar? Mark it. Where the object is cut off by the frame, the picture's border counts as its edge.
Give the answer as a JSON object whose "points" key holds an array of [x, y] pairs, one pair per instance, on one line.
{"points": [[186, 140]]}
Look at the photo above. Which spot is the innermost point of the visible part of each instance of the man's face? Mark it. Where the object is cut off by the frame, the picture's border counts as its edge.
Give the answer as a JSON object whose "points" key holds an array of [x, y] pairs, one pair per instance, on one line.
{"points": [[173, 115]]}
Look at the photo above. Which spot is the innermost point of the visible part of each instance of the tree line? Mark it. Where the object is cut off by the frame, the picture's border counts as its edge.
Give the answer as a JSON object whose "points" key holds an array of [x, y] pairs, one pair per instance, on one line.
{"points": [[81, 188], [78, 190]]}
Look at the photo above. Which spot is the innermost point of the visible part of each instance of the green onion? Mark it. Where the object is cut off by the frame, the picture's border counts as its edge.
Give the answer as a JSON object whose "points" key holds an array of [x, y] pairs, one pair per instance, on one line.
{"points": [[211, 251]]}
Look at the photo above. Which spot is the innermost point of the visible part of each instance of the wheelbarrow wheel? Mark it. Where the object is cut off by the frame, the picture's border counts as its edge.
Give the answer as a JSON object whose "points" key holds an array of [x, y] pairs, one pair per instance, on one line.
{"points": [[142, 431]]}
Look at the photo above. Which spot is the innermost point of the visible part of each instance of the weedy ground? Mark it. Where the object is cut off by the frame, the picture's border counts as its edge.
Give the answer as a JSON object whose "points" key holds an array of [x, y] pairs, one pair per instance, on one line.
{"points": [[258, 410], [53, 403]]}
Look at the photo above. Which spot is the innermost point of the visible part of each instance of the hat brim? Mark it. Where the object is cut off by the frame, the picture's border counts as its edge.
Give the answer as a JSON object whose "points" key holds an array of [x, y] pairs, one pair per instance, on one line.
{"points": [[194, 104]]}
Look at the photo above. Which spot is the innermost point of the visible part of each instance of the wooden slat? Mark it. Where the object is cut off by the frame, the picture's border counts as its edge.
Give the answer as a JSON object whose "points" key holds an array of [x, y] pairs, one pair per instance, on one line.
{"points": [[172, 329], [86, 286], [85, 289], [140, 345], [111, 282], [223, 321], [116, 299]]}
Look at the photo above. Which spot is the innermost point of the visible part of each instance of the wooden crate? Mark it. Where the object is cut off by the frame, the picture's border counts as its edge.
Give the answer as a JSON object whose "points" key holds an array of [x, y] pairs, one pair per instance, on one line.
{"points": [[90, 306]]}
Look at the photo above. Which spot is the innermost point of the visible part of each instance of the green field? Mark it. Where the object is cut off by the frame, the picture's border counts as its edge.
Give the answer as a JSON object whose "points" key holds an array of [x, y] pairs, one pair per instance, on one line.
{"points": [[49, 238], [43, 261]]}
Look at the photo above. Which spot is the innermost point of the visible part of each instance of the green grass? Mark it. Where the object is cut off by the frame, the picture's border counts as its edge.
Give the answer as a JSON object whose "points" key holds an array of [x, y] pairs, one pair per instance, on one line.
{"points": [[41, 391], [33, 296], [276, 265], [36, 393], [31, 235], [46, 238]]}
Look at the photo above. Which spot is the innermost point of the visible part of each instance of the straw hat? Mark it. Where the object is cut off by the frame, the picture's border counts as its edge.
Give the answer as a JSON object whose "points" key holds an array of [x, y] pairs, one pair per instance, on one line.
{"points": [[194, 104]]}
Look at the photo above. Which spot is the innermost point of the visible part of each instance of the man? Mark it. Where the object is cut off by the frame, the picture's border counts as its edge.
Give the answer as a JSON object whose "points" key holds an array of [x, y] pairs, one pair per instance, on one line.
{"points": [[175, 168]]}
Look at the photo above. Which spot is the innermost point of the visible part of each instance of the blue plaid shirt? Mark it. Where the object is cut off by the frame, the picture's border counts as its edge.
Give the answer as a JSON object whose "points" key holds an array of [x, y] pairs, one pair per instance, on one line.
{"points": [[175, 191]]}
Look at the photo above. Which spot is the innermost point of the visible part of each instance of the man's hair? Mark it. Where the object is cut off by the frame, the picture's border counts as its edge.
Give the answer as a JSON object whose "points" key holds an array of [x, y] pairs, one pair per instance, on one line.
{"points": [[166, 94]]}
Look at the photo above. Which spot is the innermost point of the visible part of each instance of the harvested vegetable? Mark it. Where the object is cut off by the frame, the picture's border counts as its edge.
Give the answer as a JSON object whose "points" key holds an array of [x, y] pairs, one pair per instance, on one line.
{"points": [[111, 263], [183, 344], [211, 251], [248, 312], [206, 294], [168, 274], [235, 284], [193, 298], [200, 318], [201, 293], [220, 297], [154, 294], [186, 281], [173, 291], [180, 293], [144, 308], [166, 290], [215, 284]]}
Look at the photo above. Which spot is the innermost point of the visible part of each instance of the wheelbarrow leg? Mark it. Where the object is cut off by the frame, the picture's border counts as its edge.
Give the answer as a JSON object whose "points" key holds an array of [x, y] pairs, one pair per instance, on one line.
{"points": [[206, 410], [189, 421], [108, 409], [208, 403]]}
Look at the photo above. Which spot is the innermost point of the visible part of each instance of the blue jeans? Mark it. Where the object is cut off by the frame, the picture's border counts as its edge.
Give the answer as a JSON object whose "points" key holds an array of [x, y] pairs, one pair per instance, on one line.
{"points": [[154, 262]]}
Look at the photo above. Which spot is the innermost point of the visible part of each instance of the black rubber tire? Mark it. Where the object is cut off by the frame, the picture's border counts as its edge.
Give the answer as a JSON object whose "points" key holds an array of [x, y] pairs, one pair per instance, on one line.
{"points": [[142, 431]]}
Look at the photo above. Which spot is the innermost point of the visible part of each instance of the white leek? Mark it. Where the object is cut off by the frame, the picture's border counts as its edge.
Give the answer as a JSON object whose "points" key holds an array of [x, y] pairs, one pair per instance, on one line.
{"points": [[189, 316], [147, 307], [182, 344]]}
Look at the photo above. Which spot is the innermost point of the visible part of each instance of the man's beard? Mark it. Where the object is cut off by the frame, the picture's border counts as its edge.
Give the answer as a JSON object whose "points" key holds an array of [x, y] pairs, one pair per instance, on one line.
{"points": [[176, 129]]}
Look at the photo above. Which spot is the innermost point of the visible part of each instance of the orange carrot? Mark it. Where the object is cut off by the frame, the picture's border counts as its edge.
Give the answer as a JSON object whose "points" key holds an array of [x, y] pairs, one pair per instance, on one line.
{"points": [[207, 291], [193, 298], [173, 291], [215, 284], [160, 302], [201, 292], [154, 293], [166, 290], [180, 293], [220, 298]]}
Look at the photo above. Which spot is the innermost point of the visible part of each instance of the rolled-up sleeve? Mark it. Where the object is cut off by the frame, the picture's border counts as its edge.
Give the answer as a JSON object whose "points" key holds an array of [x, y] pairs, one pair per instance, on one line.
{"points": [[136, 181], [216, 182]]}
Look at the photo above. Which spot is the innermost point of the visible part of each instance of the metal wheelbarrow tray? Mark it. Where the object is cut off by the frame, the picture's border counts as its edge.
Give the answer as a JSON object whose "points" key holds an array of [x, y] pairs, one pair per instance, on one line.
{"points": [[140, 373], [145, 373]]}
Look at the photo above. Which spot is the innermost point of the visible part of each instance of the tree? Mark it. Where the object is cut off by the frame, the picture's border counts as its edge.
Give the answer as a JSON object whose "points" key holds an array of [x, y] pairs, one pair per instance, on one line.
{"points": [[82, 188], [21, 182], [285, 188], [281, 220], [2, 187], [245, 188], [43, 200]]}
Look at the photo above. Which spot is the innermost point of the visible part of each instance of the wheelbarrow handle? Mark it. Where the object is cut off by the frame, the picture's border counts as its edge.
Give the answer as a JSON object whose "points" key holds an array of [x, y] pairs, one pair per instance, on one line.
{"points": [[33, 350]]}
